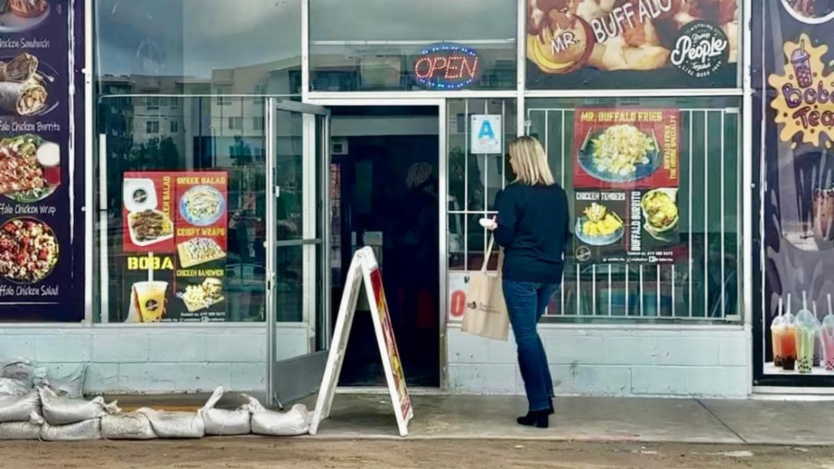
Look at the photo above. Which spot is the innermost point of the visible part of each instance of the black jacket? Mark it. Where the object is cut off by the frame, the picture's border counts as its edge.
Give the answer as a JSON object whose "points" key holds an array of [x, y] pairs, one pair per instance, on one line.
{"points": [[533, 228]]}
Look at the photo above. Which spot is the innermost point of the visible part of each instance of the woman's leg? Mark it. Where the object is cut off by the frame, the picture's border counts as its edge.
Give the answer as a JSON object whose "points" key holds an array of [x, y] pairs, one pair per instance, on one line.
{"points": [[545, 294], [522, 301]]}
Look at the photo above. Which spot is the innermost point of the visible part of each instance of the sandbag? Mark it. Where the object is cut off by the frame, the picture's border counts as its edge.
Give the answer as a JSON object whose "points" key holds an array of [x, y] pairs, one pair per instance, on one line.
{"points": [[81, 431], [19, 431], [59, 410], [19, 408], [175, 424], [132, 426], [71, 386], [18, 377], [222, 422], [266, 422]]}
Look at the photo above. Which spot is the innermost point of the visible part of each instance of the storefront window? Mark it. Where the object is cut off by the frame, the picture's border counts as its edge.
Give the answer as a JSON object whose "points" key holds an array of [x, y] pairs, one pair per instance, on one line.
{"points": [[633, 45], [198, 47], [653, 185], [792, 139], [375, 45]]}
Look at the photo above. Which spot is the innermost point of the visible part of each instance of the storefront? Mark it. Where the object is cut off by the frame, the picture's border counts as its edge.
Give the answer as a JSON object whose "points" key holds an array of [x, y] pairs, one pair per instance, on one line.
{"points": [[793, 111], [236, 158]]}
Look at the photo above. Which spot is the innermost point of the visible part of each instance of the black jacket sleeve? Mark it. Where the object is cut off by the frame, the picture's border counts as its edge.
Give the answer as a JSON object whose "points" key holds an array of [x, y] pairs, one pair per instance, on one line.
{"points": [[507, 219]]}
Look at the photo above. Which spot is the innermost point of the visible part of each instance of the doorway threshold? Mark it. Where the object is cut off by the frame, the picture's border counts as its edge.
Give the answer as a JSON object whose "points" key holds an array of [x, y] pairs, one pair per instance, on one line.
{"points": [[382, 390]]}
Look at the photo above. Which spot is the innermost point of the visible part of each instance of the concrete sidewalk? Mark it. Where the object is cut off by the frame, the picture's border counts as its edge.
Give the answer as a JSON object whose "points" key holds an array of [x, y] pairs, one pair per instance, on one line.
{"points": [[370, 416]]}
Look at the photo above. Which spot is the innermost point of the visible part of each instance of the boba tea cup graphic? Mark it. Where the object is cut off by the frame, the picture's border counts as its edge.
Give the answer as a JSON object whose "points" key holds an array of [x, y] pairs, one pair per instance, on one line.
{"points": [[827, 337], [150, 299], [777, 330], [801, 61], [789, 339], [806, 333]]}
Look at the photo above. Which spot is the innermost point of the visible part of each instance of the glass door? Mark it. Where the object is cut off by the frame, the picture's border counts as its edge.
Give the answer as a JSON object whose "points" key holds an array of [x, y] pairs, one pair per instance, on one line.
{"points": [[297, 256]]}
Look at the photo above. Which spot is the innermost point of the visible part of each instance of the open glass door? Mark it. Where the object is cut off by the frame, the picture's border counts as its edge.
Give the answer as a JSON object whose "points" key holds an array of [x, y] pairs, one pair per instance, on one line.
{"points": [[297, 249]]}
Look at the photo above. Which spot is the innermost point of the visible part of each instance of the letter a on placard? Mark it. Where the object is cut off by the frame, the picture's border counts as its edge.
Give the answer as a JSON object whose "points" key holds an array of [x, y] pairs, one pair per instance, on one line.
{"points": [[486, 131], [364, 270]]}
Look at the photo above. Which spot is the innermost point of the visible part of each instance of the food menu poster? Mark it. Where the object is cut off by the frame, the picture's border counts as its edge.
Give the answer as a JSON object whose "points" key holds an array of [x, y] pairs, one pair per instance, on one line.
{"points": [[633, 44], [626, 182], [390, 343], [793, 142], [174, 245], [36, 251]]}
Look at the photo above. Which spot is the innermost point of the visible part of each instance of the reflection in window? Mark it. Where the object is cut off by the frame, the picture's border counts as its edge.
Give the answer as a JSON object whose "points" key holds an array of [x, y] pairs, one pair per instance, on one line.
{"points": [[152, 127], [701, 282], [373, 44]]}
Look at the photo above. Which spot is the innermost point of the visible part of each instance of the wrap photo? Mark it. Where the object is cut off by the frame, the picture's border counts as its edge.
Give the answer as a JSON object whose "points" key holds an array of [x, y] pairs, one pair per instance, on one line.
{"points": [[24, 99]]}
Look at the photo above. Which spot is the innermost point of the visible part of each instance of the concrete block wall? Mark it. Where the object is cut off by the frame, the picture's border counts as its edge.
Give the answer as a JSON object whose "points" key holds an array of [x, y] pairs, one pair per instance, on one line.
{"points": [[610, 361], [155, 360]]}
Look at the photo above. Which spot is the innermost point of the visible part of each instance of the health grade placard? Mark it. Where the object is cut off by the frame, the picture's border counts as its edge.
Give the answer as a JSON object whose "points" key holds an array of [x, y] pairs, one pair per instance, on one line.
{"points": [[626, 148]]}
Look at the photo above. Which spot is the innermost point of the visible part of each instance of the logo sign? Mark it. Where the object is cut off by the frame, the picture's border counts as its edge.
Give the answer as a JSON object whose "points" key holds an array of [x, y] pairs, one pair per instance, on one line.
{"points": [[701, 49], [447, 67], [804, 103], [486, 134]]}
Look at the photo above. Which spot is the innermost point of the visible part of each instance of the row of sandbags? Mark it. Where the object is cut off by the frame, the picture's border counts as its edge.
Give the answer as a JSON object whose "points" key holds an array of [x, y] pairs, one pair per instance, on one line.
{"points": [[32, 408], [45, 415]]}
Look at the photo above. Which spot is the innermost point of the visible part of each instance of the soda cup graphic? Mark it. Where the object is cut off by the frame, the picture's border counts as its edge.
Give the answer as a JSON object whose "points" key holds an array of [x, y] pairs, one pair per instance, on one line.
{"points": [[801, 61]]}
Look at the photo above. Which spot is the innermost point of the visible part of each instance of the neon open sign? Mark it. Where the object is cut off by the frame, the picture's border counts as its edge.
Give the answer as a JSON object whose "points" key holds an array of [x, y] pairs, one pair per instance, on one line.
{"points": [[447, 67]]}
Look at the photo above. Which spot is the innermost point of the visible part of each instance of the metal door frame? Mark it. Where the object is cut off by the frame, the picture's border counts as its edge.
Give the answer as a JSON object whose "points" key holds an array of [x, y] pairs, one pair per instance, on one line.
{"points": [[306, 370], [439, 102]]}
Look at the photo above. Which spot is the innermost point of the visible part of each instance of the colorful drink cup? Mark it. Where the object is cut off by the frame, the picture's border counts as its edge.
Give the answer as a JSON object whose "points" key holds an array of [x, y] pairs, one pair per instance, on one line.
{"points": [[801, 61], [806, 333]]}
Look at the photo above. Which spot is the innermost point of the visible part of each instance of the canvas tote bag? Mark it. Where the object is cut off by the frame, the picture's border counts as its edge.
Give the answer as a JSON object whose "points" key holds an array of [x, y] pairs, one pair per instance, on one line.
{"points": [[486, 311]]}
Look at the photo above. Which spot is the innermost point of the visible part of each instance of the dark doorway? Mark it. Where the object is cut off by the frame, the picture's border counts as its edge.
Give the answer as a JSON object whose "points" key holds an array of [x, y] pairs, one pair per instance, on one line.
{"points": [[385, 195]]}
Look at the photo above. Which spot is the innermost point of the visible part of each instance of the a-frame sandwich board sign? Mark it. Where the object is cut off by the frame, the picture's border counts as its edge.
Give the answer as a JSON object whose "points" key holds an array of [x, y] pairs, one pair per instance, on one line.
{"points": [[364, 270]]}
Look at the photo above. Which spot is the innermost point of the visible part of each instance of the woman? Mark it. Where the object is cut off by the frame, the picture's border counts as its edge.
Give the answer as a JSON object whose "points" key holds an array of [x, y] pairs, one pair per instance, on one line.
{"points": [[532, 227]]}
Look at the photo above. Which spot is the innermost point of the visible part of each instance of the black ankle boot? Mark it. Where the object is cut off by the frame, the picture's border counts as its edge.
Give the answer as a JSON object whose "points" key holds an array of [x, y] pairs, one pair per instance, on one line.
{"points": [[535, 418]]}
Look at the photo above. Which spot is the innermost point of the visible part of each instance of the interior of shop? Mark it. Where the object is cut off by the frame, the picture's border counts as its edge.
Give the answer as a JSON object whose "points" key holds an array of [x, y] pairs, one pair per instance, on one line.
{"points": [[384, 194]]}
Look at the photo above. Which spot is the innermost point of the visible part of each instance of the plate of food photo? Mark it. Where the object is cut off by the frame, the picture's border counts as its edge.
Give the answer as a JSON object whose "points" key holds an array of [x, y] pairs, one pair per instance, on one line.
{"points": [[149, 227], [30, 168], [22, 15], [202, 205], [25, 84], [599, 226], [660, 212], [28, 250], [620, 153]]}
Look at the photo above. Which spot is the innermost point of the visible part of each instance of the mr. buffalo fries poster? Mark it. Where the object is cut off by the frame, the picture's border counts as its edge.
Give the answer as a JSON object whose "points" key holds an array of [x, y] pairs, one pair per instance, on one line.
{"points": [[626, 179]]}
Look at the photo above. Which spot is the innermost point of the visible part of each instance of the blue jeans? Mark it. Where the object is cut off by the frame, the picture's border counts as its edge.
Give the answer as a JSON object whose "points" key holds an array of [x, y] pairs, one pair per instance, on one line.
{"points": [[526, 303]]}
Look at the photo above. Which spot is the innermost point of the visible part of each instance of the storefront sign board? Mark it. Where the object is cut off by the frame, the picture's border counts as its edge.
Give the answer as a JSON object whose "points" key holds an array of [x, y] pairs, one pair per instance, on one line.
{"points": [[447, 66], [364, 271], [637, 44], [486, 134], [175, 244], [626, 181], [36, 213]]}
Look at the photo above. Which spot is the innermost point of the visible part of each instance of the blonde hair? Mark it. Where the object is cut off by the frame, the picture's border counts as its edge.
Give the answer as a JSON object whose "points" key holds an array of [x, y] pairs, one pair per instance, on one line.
{"points": [[529, 162]]}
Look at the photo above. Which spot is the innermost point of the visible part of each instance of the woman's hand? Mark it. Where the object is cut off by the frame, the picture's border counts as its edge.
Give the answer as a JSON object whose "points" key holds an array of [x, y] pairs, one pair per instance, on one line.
{"points": [[489, 223]]}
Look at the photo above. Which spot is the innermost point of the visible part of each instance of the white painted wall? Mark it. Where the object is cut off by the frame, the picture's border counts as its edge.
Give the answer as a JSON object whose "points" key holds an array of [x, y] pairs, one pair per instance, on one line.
{"points": [[626, 361]]}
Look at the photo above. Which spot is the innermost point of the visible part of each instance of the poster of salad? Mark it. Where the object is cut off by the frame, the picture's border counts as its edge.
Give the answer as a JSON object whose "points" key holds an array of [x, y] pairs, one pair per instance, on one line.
{"points": [[626, 185], [36, 227], [175, 242]]}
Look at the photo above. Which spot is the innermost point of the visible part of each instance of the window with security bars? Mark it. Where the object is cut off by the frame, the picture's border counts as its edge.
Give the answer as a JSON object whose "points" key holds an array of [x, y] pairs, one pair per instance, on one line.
{"points": [[699, 279], [474, 180]]}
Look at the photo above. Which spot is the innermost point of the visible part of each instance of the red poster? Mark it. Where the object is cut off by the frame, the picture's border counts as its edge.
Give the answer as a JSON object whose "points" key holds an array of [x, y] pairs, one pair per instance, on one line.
{"points": [[626, 148], [148, 211], [390, 343]]}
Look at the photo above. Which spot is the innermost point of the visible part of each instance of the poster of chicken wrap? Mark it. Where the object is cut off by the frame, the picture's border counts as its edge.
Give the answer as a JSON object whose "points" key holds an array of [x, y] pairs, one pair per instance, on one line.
{"points": [[793, 140], [626, 183], [175, 242], [632, 44], [36, 232]]}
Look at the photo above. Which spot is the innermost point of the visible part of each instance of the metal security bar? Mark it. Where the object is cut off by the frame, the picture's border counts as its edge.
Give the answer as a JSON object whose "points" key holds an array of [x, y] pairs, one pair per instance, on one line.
{"points": [[705, 286]]}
